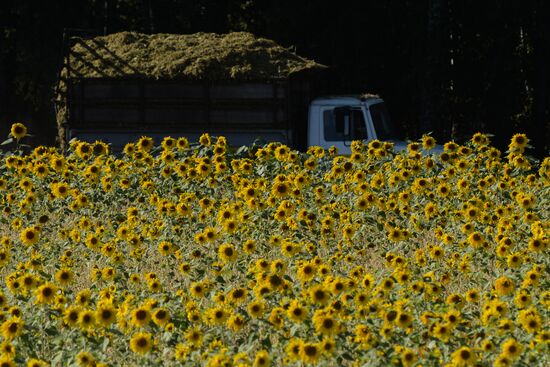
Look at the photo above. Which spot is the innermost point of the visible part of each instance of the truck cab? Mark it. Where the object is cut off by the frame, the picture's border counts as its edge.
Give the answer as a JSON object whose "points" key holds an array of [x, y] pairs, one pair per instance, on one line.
{"points": [[338, 120]]}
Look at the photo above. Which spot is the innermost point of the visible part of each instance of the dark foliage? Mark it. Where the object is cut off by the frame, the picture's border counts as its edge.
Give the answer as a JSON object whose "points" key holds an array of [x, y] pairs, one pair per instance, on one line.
{"points": [[452, 67]]}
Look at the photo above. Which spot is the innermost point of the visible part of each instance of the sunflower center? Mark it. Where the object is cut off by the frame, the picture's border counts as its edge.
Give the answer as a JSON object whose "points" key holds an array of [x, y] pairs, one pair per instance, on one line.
{"points": [[47, 292], [310, 350], [238, 293], [328, 323], [161, 314], [141, 315], [465, 354]]}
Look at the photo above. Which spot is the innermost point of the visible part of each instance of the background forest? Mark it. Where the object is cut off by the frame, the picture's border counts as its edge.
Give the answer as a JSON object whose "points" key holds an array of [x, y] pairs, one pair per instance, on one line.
{"points": [[452, 67]]}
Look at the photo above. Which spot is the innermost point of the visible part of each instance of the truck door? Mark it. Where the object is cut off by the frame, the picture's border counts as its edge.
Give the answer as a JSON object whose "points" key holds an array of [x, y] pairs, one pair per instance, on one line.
{"points": [[342, 125], [383, 126]]}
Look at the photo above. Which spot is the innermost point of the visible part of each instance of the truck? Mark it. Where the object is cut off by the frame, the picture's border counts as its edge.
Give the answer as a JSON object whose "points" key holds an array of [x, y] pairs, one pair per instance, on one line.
{"points": [[338, 120], [118, 88]]}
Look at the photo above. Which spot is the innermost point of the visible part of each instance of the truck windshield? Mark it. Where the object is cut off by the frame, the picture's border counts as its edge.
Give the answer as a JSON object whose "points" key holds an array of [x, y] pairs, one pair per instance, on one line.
{"points": [[382, 123]]}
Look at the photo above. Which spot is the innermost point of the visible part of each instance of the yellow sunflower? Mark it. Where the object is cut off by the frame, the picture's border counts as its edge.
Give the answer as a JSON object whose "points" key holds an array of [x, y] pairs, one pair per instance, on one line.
{"points": [[227, 253], [141, 343], [70, 315], [256, 308], [45, 294], [235, 323], [12, 328], [105, 314], [161, 316], [18, 130], [504, 286], [64, 276], [325, 324], [262, 359], [519, 142], [511, 349], [29, 236], [310, 352], [86, 319], [463, 357], [140, 316], [85, 358], [145, 143], [408, 357], [297, 312]]}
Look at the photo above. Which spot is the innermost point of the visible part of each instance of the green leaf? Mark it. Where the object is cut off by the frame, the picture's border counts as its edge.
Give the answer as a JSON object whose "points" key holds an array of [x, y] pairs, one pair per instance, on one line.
{"points": [[347, 356], [56, 361], [51, 331], [116, 332], [267, 342], [7, 141], [105, 344], [294, 329], [165, 337]]}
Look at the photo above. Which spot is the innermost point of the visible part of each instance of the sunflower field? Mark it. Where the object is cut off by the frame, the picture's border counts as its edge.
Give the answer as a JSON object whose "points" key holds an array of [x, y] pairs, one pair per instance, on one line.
{"points": [[177, 253]]}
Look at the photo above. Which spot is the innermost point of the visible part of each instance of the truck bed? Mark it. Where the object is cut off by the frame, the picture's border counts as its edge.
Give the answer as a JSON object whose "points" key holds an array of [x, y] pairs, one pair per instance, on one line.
{"points": [[118, 111]]}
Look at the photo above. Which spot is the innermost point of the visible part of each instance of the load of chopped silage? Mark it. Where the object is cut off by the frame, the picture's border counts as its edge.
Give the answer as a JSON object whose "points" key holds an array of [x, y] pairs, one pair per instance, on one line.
{"points": [[199, 56], [237, 56]]}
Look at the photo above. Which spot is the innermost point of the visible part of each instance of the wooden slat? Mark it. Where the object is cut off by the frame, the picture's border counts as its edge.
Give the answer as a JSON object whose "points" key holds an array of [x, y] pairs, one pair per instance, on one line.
{"points": [[242, 91], [174, 115], [171, 91]]}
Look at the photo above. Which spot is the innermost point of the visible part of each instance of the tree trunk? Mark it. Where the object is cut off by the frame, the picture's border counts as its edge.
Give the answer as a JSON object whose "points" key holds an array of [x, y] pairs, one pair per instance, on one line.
{"points": [[435, 84], [540, 126]]}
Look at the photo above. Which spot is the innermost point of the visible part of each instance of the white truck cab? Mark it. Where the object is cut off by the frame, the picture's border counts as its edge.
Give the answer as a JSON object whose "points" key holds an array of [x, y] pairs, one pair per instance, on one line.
{"points": [[338, 120]]}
